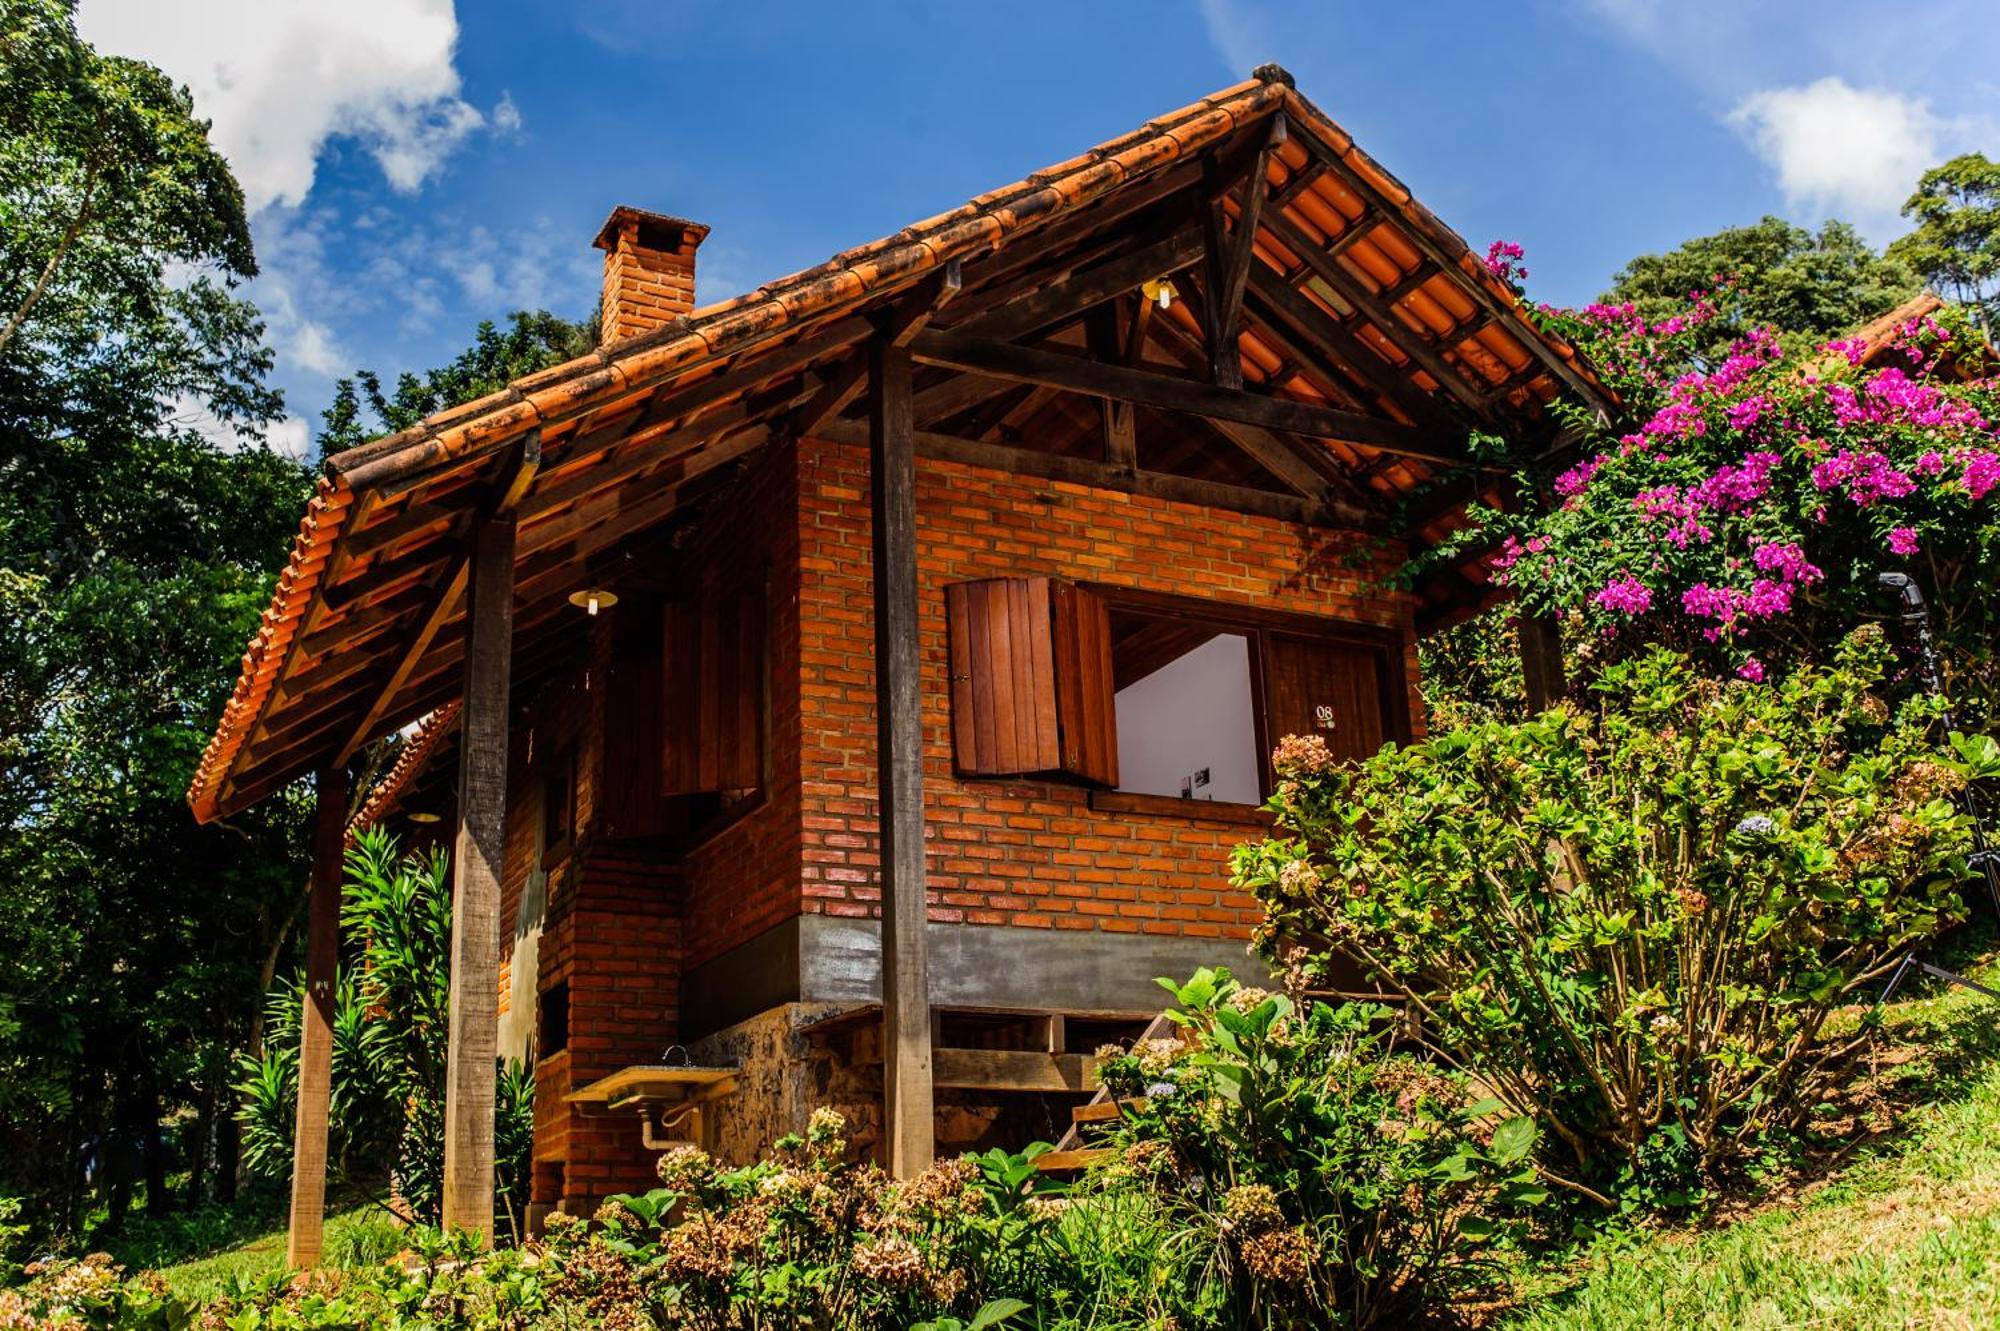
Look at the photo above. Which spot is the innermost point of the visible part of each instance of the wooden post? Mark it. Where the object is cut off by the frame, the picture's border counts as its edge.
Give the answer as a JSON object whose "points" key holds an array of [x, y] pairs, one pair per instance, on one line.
{"points": [[302, 1242], [1541, 660], [908, 1128], [475, 893]]}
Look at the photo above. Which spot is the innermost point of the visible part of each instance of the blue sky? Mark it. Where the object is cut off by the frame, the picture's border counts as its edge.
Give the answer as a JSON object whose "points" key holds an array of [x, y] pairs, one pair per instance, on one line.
{"points": [[414, 166]]}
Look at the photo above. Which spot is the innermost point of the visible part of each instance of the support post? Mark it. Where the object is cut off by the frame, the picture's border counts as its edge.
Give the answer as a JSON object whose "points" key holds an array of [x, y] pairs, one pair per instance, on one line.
{"points": [[1541, 660], [475, 894], [309, 1124], [908, 1128]]}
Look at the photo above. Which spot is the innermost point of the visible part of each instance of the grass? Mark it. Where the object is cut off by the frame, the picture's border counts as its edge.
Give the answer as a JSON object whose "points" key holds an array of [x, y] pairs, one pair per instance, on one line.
{"points": [[1906, 1234], [202, 1252]]}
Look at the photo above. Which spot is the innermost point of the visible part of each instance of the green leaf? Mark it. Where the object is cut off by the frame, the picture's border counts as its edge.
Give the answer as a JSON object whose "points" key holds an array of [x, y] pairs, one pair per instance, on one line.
{"points": [[1513, 1140]]}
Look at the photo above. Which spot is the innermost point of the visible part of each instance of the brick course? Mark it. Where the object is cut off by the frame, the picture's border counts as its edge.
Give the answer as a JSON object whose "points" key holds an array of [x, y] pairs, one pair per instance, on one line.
{"points": [[1032, 853]]}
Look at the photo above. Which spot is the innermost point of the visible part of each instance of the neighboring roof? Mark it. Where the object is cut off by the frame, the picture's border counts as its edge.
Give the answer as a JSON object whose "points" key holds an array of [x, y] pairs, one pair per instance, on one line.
{"points": [[364, 630], [1878, 335], [432, 735]]}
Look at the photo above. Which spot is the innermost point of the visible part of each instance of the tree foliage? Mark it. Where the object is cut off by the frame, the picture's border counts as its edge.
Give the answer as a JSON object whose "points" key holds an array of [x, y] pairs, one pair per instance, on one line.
{"points": [[1956, 244], [390, 1028], [362, 408], [1772, 274], [135, 555]]}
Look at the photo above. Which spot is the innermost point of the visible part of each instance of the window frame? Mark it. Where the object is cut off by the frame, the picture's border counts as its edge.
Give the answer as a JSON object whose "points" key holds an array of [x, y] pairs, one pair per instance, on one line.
{"points": [[1258, 625]]}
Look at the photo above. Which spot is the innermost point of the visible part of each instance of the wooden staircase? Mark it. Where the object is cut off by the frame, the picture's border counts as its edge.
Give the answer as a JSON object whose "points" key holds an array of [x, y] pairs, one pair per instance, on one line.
{"points": [[1071, 1155]]}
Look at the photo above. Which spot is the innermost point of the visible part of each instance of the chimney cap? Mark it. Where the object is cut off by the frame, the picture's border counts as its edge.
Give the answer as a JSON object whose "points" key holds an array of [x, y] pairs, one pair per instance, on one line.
{"points": [[679, 227]]}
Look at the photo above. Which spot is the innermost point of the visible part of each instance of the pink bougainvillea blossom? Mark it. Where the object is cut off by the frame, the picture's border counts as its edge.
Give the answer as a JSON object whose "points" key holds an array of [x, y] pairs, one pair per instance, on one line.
{"points": [[1786, 559], [1625, 595], [1982, 471], [1577, 478], [1503, 260], [1733, 488], [1866, 475], [1902, 540], [1752, 669]]}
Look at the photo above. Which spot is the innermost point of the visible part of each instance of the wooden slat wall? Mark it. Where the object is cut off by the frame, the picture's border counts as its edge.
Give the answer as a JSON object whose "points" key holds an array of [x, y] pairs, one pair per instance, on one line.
{"points": [[1031, 683], [1086, 700], [712, 688]]}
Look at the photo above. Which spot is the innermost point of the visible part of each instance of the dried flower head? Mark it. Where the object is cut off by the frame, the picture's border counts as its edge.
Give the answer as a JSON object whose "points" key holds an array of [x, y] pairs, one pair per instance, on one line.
{"points": [[1251, 1208], [1303, 756], [1280, 1256], [891, 1261]]}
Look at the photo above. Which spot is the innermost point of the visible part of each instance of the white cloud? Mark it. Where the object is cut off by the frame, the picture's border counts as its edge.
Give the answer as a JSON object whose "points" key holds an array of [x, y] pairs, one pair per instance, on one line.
{"points": [[1237, 35], [289, 436], [506, 116], [281, 77], [1841, 149]]}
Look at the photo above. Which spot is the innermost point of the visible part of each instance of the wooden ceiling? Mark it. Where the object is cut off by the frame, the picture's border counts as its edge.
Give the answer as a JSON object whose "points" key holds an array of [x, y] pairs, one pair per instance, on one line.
{"points": [[1328, 348]]}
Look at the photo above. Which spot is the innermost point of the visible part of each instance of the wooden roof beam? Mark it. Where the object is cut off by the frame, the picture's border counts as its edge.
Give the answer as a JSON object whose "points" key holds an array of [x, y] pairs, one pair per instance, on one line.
{"points": [[1052, 369], [1291, 316], [514, 483], [1428, 246], [1418, 348], [1229, 256]]}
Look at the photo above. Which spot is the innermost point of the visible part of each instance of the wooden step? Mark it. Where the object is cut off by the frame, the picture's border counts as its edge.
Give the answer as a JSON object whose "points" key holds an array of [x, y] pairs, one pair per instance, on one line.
{"points": [[1071, 1162], [1106, 1111]]}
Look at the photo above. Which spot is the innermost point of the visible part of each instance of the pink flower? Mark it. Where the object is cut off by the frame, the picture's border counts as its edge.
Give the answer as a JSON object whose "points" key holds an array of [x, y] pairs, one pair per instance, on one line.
{"points": [[1752, 669], [1982, 471], [1626, 595], [1902, 540], [1576, 478], [1787, 559], [1865, 474]]}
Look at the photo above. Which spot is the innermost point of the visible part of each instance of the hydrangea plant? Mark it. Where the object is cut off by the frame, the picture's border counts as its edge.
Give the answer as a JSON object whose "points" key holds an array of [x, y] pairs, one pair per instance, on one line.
{"points": [[1632, 922]]}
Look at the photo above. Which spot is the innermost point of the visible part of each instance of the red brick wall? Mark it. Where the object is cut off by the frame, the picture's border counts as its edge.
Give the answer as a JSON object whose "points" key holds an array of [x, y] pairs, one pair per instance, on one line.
{"points": [[746, 879], [645, 289], [615, 938], [1030, 853]]}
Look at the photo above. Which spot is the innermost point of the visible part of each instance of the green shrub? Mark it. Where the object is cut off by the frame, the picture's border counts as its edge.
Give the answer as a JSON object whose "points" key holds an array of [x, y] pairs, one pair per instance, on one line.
{"points": [[1632, 923], [390, 1024], [1316, 1177]]}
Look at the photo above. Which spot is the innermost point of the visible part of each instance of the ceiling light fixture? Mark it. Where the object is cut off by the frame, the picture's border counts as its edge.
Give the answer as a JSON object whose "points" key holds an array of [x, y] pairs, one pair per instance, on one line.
{"points": [[592, 599]]}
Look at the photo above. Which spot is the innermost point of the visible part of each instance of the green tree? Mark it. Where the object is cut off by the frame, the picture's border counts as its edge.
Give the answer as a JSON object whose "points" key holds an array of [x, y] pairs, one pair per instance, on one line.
{"points": [[135, 555], [1771, 274], [1956, 246], [363, 409]]}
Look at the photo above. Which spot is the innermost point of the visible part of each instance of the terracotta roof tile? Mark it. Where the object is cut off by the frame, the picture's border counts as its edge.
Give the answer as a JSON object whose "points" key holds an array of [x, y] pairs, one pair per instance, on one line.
{"points": [[602, 381]]}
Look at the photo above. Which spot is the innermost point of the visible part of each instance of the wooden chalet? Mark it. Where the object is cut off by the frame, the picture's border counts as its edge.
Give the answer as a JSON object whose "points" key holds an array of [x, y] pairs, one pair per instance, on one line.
{"points": [[849, 692]]}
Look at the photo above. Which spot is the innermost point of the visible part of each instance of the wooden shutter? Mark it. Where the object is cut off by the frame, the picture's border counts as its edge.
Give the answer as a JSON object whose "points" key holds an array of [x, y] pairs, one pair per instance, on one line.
{"points": [[712, 684], [1031, 688], [1331, 689]]}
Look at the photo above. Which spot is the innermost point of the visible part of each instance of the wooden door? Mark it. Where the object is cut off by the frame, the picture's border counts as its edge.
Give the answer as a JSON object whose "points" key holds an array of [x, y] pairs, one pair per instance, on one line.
{"points": [[1334, 690]]}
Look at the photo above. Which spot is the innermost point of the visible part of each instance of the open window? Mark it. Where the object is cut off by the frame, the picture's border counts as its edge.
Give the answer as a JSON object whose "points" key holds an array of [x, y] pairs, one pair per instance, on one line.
{"points": [[1155, 699], [1186, 710]]}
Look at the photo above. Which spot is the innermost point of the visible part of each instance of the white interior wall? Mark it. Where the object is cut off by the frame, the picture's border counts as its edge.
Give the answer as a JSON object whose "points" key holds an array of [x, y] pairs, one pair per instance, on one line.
{"points": [[1192, 713]]}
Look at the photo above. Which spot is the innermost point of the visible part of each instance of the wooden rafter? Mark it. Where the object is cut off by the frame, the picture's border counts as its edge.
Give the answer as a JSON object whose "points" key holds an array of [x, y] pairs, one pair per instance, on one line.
{"points": [[1055, 370], [1229, 259], [520, 473]]}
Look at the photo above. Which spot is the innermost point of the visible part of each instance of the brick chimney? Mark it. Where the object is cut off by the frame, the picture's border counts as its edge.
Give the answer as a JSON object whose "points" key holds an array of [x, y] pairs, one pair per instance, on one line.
{"points": [[648, 271]]}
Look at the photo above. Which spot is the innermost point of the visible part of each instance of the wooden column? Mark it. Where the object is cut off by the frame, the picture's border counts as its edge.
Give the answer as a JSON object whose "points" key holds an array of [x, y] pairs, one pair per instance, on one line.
{"points": [[475, 891], [1541, 660], [302, 1243], [906, 1073]]}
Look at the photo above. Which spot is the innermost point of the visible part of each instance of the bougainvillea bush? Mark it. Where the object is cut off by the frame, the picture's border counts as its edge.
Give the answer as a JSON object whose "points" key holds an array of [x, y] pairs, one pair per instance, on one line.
{"points": [[1632, 921], [1747, 515], [1313, 1175]]}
